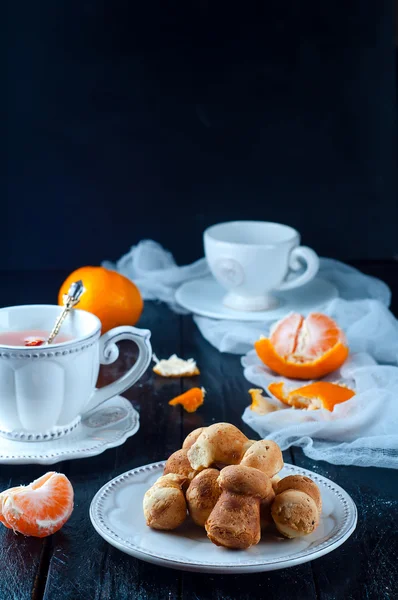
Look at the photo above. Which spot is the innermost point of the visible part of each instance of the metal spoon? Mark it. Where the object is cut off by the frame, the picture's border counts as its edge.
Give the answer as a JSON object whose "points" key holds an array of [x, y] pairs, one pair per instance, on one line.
{"points": [[70, 300]]}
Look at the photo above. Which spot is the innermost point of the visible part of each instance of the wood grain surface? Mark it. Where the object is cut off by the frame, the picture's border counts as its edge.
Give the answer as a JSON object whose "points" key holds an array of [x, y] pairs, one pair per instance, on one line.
{"points": [[77, 564]]}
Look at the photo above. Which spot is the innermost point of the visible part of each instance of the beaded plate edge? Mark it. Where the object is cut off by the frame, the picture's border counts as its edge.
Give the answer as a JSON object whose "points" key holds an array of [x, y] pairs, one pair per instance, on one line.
{"points": [[346, 527]]}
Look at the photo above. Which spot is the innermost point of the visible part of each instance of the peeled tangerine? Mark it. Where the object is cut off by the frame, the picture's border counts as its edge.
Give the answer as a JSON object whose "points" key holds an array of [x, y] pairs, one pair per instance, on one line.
{"points": [[40, 508], [303, 348], [321, 394]]}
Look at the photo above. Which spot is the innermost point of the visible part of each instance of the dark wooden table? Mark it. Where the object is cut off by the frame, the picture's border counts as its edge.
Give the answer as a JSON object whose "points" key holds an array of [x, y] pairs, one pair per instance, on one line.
{"points": [[77, 563]]}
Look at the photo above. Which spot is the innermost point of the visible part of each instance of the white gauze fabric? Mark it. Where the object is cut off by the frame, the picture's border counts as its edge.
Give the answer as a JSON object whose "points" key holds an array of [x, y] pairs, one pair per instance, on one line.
{"points": [[156, 273], [362, 431]]}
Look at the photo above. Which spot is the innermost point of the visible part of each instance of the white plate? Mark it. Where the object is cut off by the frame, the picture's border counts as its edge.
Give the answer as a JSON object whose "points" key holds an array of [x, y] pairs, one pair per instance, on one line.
{"points": [[205, 297], [116, 513], [107, 427]]}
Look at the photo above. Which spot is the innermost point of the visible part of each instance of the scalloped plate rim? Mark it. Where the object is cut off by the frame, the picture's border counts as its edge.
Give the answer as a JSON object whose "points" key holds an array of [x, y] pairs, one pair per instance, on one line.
{"points": [[255, 565], [79, 454]]}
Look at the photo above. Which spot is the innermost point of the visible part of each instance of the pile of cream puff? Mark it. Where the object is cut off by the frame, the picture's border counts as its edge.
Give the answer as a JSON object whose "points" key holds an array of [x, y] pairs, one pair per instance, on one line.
{"points": [[230, 485]]}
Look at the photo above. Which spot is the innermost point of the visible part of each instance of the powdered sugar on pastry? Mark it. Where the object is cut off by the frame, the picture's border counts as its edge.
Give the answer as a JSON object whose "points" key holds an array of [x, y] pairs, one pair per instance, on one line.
{"points": [[175, 367]]}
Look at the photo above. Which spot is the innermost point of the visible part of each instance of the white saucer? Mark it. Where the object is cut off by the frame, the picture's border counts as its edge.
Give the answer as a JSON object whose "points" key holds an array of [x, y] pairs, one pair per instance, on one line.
{"points": [[205, 297], [116, 513], [107, 427]]}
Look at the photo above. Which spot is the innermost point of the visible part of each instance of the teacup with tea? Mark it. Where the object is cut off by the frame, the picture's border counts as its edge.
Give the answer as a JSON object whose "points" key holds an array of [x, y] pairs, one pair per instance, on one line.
{"points": [[45, 389]]}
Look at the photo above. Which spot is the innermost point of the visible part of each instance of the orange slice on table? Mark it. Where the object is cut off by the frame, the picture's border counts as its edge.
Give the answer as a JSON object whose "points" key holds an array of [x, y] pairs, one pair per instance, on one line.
{"points": [[321, 394], [303, 348], [190, 400], [40, 508]]}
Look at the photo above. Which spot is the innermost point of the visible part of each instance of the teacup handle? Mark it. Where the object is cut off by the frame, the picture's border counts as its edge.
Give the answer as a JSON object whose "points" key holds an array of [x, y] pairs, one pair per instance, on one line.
{"points": [[109, 353], [310, 257]]}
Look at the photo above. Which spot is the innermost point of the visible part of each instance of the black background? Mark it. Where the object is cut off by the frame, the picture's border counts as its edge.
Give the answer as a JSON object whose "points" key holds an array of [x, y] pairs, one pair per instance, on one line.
{"points": [[153, 119]]}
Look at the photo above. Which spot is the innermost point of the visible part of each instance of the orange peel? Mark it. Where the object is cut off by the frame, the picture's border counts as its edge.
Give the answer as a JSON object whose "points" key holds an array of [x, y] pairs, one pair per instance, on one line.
{"points": [[303, 348], [321, 394], [260, 404], [175, 367], [190, 400]]}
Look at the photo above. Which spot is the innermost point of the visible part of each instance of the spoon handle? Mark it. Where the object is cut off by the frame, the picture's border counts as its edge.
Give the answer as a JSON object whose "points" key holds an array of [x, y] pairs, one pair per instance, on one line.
{"points": [[58, 324], [70, 300]]}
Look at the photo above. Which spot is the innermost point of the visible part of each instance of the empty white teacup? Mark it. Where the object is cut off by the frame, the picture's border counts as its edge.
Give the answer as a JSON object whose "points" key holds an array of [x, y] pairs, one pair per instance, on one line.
{"points": [[45, 390], [251, 259]]}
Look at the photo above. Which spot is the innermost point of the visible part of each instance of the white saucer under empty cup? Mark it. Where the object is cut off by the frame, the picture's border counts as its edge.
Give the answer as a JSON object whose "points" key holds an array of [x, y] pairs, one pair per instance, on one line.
{"points": [[205, 297], [251, 260]]}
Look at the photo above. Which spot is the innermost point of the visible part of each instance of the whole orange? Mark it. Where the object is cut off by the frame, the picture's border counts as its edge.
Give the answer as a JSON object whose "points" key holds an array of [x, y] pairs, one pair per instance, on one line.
{"points": [[113, 298]]}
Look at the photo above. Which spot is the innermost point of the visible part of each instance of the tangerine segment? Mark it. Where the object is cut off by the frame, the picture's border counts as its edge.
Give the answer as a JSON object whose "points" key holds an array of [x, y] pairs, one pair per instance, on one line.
{"points": [[3, 496], [302, 339], [37, 483], [190, 400], [284, 335], [322, 394], [40, 508], [301, 348], [317, 335]]}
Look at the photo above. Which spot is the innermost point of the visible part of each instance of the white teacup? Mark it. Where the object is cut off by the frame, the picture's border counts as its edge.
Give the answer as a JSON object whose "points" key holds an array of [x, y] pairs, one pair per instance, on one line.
{"points": [[251, 259], [45, 390]]}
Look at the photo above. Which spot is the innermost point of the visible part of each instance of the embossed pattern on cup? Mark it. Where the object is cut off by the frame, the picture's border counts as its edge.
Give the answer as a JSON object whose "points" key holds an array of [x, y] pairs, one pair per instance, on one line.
{"points": [[45, 390], [251, 259]]}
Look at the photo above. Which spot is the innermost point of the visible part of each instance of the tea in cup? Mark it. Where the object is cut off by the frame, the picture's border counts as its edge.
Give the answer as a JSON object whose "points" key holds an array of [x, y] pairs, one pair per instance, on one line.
{"points": [[251, 259], [30, 338], [45, 390]]}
